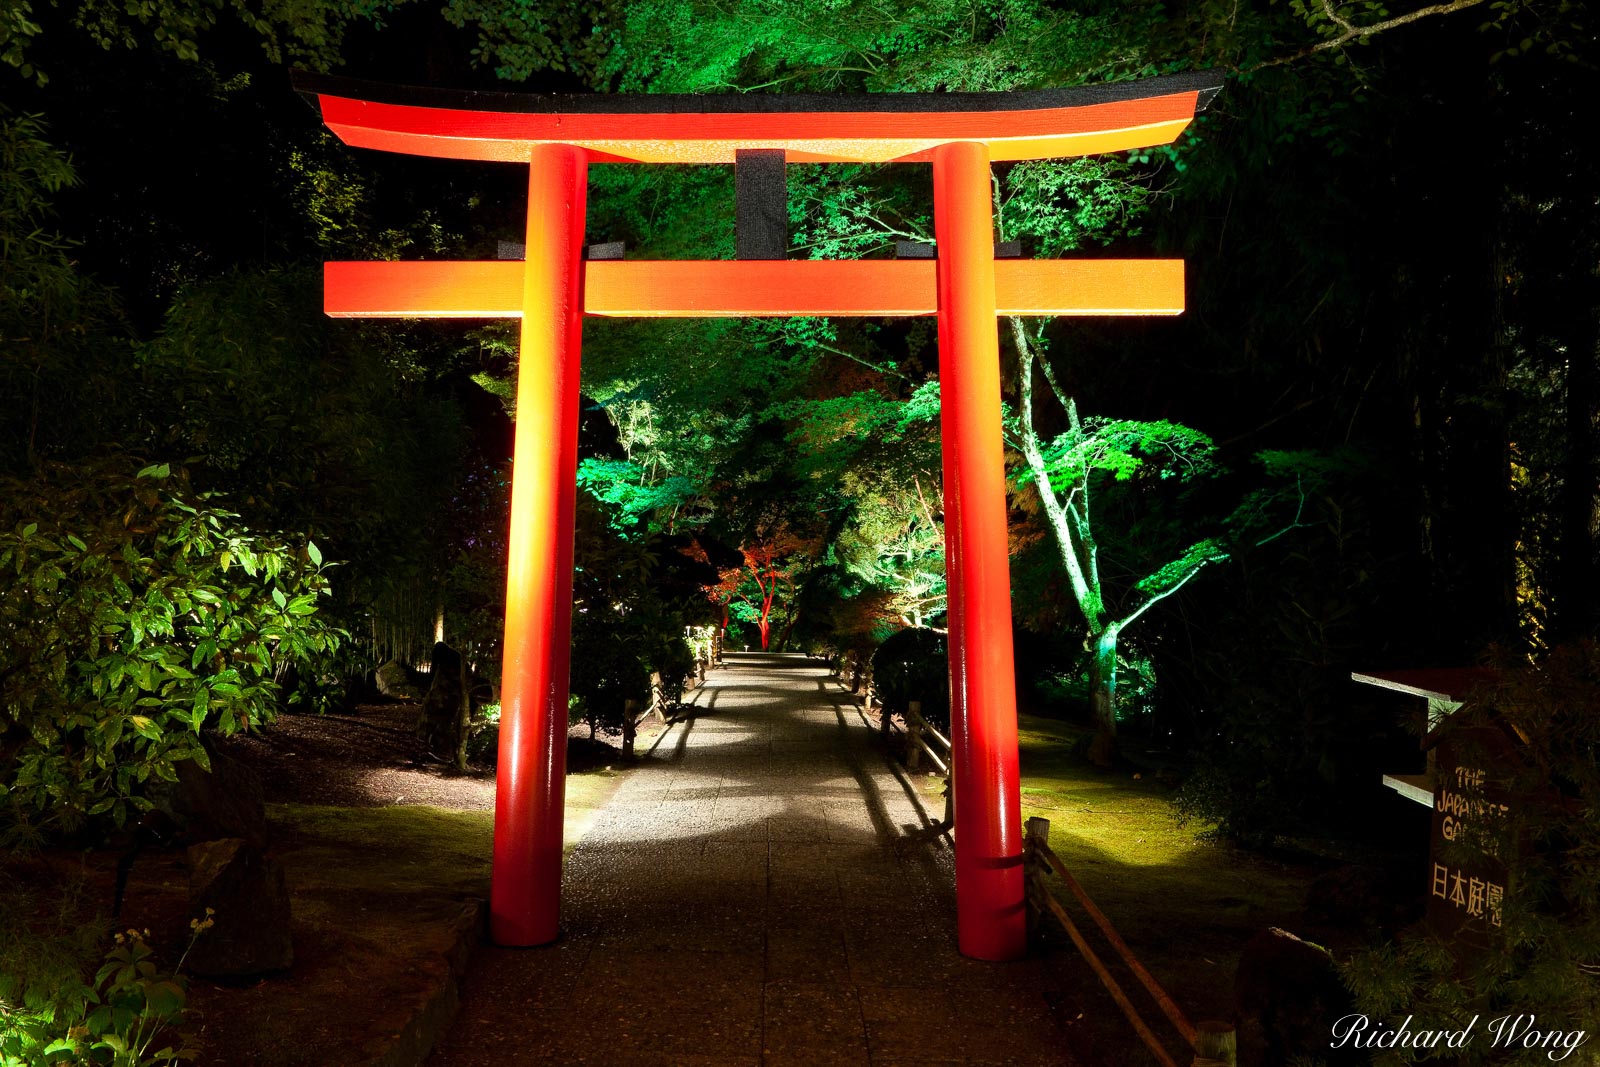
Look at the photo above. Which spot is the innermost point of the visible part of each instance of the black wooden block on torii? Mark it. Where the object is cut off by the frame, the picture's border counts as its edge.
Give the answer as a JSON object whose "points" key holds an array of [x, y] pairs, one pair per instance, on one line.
{"points": [[761, 204], [929, 250]]}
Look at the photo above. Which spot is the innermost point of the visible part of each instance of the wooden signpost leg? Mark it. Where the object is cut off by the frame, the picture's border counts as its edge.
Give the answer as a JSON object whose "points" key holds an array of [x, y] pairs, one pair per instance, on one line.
{"points": [[525, 889], [990, 918]]}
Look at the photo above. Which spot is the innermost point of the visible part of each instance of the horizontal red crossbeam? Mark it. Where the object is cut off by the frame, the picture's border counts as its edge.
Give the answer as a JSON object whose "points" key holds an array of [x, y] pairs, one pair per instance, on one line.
{"points": [[743, 288], [860, 128]]}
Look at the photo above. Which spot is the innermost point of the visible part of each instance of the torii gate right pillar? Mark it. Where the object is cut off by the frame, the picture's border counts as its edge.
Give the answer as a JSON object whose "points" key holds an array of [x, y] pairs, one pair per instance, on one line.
{"points": [[990, 913]]}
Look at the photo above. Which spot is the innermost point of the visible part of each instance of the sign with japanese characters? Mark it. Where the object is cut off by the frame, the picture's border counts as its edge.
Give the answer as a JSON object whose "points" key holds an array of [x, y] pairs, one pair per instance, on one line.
{"points": [[1467, 870]]}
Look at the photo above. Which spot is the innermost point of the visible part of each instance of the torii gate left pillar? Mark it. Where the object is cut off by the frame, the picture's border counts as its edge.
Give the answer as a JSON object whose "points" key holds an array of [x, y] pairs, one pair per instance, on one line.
{"points": [[551, 291], [530, 784]]}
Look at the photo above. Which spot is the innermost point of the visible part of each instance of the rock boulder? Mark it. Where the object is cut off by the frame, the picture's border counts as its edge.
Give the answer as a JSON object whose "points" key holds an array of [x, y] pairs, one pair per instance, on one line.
{"points": [[394, 682], [249, 902], [446, 716], [1289, 994], [225, 801]]}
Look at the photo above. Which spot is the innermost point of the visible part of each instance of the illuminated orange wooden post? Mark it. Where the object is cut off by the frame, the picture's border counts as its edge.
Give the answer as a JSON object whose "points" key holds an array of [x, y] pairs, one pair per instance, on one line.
{"points": [[530, 785], [960, 134], [991, 921]]}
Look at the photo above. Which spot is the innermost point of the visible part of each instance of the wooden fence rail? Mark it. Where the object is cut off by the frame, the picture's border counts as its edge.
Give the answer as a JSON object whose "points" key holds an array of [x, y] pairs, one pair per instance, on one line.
{"points": [[1213, 1043], [923, 738]]}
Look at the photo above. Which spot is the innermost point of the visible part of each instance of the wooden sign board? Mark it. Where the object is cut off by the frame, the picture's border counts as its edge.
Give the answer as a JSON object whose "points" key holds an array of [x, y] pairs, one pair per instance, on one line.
{"points": [[1468, 875], [1467, 787]]}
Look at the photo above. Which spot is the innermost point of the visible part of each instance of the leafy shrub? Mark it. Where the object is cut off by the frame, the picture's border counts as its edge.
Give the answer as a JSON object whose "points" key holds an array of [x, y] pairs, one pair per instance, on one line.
{"points": [[131, 1006], [48, 949], [135, 613], [670, 655], [53, 1012], [483, 744], [1066, 690], [623, 625], [914, 665], [702, 643], [613, 656]]}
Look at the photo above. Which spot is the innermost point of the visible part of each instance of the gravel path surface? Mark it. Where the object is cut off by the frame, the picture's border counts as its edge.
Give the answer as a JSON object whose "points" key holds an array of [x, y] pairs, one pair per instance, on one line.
{"points": [[762, 890]]}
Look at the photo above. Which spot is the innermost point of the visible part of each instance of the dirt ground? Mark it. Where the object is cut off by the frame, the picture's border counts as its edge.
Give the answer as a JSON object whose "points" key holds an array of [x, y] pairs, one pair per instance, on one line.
{"points": [[386, 853], [372, 759]]}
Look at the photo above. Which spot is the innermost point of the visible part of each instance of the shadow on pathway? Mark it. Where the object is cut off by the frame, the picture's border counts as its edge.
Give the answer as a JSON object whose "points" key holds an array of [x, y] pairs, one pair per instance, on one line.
{"points": [[762, 890]]}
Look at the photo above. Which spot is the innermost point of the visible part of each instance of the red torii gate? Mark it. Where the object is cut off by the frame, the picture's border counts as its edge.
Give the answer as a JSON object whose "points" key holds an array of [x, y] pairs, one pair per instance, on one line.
{"points": [[960, 134]]}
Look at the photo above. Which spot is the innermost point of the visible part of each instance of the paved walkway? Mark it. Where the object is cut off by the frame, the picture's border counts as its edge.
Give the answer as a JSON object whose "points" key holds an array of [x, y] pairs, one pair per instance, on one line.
{"points": [[763, 890]]}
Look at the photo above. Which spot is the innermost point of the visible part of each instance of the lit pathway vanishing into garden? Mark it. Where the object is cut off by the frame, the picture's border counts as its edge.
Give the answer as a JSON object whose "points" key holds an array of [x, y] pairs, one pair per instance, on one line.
{"points": [[762, 890]]}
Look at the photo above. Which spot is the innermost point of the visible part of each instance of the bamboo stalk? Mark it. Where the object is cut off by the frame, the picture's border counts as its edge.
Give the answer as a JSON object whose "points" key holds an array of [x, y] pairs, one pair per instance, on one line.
{"points": [[1104, 975], [1166, 1003]]}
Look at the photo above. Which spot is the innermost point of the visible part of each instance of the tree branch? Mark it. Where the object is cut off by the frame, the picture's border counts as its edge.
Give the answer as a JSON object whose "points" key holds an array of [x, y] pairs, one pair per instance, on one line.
{"points": [[1173, 588], [1353, 32], [1295, 523], [1337, 19], [1088, 597], [880, 368]]}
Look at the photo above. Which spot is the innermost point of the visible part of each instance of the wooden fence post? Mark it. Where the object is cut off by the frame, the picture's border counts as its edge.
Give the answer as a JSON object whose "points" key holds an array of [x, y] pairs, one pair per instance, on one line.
{"points": [[913, 733], [1215, 1045], [658, 697], [1035, 832]]}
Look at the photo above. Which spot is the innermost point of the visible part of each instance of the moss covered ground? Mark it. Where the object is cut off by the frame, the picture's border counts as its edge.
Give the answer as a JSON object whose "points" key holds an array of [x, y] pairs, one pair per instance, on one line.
{"points": [[380, 896], [1184, 904]]}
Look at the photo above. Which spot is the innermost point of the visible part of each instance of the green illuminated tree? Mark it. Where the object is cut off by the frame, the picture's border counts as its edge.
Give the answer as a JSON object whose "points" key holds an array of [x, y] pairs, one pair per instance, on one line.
{"points": [[1072, 471]]}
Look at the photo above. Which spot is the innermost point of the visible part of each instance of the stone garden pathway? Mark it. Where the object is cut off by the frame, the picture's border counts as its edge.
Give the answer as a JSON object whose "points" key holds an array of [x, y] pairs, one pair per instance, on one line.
{"points": [[762, 890]]}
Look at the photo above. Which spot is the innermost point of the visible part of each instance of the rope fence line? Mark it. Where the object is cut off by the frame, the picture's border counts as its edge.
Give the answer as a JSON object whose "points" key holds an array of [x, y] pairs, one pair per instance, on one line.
{"points": [[1214, 1043]]}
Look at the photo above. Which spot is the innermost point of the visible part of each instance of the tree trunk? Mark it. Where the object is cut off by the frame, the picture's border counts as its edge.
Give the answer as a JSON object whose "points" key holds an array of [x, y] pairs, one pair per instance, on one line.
{"points": [[1103, 698], [788, 630], [1574, 607], [463, 724], [630, 709]]}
